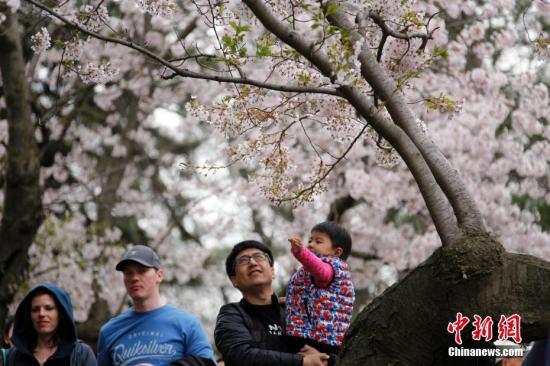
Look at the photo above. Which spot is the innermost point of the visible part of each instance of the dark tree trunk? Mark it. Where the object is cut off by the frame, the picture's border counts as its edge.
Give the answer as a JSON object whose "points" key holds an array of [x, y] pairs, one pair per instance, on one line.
{"points": [[407, 324], [114, 169], [22, 207]]}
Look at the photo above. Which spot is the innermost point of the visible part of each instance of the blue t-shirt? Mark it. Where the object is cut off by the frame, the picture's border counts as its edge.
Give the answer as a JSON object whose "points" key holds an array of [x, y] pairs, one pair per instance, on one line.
{"points": [[155, 338]]}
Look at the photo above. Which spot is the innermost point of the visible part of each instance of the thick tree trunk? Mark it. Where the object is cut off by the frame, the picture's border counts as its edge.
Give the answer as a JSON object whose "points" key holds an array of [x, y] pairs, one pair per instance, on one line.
{"points": [[22, 207], [114, 170], [407, 325]]}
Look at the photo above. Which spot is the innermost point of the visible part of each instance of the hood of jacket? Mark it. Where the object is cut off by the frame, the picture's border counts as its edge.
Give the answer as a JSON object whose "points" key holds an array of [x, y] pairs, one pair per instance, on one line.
{"points": [[24, 335]]}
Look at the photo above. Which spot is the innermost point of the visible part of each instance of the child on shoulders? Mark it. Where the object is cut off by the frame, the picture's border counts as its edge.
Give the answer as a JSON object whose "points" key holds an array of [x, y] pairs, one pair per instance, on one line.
{"points": [[320, 294]]}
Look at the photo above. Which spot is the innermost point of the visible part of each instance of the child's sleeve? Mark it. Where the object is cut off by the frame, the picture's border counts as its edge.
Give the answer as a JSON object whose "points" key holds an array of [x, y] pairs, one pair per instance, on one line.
{"points": [[322, 272]]}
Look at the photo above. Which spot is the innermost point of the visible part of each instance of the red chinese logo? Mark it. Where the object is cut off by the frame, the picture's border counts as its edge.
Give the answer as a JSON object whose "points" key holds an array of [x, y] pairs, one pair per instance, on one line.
{"points": [[482, 328], [457, 326], [508, 327]]}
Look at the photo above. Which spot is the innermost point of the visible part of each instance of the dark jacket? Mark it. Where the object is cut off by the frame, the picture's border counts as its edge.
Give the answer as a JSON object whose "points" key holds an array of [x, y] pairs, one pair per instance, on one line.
{"points": [[538, 355], [24, 335], [243, 340]]}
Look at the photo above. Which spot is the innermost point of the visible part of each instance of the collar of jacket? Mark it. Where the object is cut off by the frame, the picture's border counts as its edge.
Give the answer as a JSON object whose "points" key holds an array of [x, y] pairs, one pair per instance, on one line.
{"points": [[249, 306]]}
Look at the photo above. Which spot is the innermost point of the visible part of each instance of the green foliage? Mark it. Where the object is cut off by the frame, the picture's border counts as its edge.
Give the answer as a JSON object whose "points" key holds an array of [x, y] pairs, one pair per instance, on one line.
{"points": [[441, 103], [316, 23], [239, 28], [331, 9], [262, 51], [234, 44], [57, 43], [340, 53], [263, 47], [440, 52], [292, 53], [542, 43], [412, 18], [245, 91], [304, 78]]}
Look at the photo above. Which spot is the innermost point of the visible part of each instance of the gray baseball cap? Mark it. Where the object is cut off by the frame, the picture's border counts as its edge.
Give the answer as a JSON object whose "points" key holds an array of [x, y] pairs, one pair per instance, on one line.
{"points": [[141, 254]]}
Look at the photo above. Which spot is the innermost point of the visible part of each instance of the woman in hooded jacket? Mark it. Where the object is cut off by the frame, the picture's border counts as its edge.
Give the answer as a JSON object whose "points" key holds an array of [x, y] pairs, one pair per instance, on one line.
{"points": [[44, 332]]}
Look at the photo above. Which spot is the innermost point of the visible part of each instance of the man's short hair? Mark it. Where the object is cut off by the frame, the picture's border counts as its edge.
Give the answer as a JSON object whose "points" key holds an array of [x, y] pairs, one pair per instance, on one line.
{"points": [[338, 235], [239, 247]]}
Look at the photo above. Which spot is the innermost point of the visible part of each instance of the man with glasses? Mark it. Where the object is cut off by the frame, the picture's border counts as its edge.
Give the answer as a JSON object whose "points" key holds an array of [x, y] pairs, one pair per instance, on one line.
{"points": [[251, 332]]}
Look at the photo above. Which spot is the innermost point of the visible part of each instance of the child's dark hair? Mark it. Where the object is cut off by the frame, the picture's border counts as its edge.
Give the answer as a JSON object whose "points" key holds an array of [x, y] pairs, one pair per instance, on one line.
{"points": [[338, 235], [239, 247]]}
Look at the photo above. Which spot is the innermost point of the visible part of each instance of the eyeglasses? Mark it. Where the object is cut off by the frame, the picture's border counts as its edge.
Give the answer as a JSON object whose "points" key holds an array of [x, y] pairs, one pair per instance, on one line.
{"points": [[258, 258]]}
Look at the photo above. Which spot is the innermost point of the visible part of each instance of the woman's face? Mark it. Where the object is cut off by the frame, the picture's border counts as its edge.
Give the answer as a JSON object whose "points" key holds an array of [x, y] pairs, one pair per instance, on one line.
{"points": [[44, 314]]}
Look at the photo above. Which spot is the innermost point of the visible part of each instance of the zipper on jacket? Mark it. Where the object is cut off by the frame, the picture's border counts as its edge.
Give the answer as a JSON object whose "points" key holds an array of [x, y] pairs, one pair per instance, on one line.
{"points": [[307, 311]]}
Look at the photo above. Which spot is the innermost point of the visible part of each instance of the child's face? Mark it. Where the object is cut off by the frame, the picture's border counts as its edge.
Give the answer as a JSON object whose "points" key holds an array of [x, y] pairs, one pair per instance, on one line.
{"points": [[320, 243]]}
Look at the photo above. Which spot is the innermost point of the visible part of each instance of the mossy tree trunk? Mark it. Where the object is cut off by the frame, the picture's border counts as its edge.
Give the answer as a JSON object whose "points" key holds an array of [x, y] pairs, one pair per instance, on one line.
{"points": [[407, 324], [22, 207]]}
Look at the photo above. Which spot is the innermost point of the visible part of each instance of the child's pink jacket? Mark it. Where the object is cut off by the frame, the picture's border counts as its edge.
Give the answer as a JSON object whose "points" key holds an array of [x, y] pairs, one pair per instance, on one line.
{"points": [[320, 299]]}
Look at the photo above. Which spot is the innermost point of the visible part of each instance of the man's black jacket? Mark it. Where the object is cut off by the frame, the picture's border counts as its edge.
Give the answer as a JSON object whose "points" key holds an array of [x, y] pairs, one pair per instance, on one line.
{"points": [[243, 340]]}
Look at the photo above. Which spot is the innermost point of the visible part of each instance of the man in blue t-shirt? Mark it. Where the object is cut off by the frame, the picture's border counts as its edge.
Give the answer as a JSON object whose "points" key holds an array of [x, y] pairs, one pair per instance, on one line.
{"points": [[150, 333]]}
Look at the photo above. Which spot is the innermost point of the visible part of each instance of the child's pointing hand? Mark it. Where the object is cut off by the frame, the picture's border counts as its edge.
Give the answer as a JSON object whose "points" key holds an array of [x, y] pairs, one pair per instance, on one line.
{"points": [[295, 244]]}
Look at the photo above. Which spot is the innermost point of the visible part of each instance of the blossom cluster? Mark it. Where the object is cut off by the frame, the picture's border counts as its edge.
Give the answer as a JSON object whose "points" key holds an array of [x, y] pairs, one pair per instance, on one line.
{"points": [[98, 73], [93, 18], [73, 50], [157, 7], [41, 41]]}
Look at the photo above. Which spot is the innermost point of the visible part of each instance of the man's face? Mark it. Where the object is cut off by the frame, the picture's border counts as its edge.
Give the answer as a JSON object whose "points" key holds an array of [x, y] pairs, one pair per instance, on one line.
{"points": [[252, 269], [141, 282]]}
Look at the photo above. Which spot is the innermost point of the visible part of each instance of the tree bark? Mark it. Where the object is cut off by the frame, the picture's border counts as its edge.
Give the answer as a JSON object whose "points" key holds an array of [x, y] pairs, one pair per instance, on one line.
{"points": [[114, 169], [22, 209], [407, 324], [339, 206]]}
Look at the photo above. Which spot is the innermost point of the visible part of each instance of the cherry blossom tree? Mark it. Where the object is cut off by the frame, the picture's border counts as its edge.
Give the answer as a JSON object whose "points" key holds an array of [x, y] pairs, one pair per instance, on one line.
{"points": [[22, 208], [345, 109], [107, 163]]}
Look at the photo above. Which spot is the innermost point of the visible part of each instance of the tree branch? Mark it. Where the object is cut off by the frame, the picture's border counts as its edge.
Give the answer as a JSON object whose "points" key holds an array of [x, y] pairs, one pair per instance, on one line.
{"points": [[378, 20], [183, 72], [436, 202], [446, 175], [311, 187], [339, 206]]}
